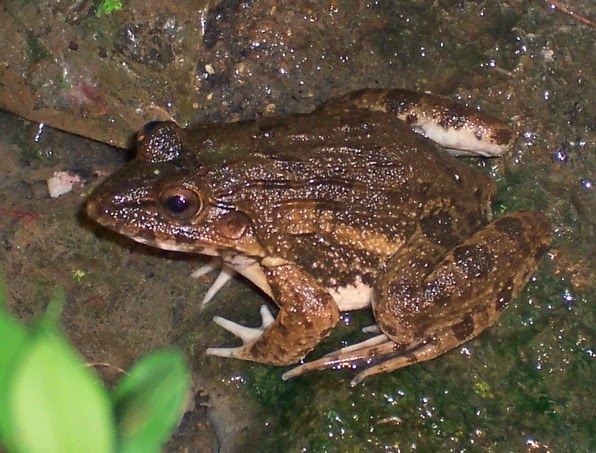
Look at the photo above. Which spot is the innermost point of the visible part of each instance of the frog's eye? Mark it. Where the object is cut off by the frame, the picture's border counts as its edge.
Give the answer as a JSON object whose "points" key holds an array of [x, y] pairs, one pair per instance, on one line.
{"points": [[180, 203]]}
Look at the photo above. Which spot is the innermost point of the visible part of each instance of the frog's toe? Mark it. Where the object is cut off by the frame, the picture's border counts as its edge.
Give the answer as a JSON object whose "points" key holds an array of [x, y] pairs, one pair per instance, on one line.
{"points": [[372, 329], [246, 334], [225, 275], [350, 356], [378, 354], [223, 352], [213, 264]]}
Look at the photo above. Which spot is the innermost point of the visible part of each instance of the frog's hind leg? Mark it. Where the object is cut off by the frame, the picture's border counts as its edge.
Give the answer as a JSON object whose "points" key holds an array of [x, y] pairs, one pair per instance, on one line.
{"points": [[348, 357], [429, 308], [426, 304]]}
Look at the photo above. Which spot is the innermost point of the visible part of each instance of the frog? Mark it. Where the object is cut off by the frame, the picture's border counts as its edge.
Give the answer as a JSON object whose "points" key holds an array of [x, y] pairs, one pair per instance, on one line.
{"points": [[360, 204]]}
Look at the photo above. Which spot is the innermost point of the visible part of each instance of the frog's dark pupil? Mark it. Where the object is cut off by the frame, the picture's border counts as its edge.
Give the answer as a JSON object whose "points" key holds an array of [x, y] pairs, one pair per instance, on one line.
{"points": [[177, 203]]}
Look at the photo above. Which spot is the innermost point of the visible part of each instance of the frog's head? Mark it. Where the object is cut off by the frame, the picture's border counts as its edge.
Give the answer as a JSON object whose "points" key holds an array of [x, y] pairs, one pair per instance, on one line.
{"points": [[161, 198]]}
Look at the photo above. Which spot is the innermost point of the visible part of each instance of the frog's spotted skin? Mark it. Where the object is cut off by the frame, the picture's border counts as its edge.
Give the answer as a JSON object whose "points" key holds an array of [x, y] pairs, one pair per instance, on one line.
{"points": [[340, 209]]}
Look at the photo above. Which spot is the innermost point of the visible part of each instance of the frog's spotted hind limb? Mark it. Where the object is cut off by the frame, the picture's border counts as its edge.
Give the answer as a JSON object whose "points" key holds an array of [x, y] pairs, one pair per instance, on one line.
{"points": [[364, 354], [352, 356], [427, 306]]}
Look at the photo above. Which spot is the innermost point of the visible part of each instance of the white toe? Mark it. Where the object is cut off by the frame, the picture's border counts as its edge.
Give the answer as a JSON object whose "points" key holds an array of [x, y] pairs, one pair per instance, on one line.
{"points": [[371, 329], [224, 277], [246, 334], [222, 352], [213, 264]]}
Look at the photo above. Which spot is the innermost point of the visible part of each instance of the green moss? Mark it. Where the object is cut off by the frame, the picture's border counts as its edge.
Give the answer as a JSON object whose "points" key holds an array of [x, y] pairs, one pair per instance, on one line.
{"points": [[107, 7], [35, 49]]}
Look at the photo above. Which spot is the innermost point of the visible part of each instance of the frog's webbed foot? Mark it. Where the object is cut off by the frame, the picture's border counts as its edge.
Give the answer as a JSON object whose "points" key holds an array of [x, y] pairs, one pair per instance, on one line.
{"points": [[378, 354], [225, 275], [248, 335], [350, 356]]}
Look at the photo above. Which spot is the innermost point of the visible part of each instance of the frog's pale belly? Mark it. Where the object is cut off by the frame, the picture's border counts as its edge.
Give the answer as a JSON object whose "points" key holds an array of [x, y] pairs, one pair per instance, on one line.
{"points": [[354, 296], [337, 210]]}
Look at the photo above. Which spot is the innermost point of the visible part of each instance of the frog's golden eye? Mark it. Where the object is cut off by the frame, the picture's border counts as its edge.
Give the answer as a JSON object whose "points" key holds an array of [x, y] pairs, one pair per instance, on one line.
{"points": [[180, 203]]}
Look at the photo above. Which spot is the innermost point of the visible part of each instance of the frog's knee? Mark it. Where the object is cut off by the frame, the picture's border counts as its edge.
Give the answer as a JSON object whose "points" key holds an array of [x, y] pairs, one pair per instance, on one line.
{"points": [[531, 230], [475, 281]]}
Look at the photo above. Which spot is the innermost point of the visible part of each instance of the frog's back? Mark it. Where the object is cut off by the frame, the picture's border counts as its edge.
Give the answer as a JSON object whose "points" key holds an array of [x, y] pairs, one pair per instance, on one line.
{"points": [[321, 189], [355, 167]]}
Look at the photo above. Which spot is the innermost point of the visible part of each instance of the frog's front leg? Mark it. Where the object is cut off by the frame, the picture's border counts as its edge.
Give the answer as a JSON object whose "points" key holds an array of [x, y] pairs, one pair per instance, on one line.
{"points": [[426, 302], [307, 313]]}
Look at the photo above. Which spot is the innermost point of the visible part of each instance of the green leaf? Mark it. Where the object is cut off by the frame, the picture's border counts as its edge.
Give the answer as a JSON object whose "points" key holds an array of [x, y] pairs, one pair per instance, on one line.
{"points": [[13, 338], [51, 318], [55, 404], [150, 400]]}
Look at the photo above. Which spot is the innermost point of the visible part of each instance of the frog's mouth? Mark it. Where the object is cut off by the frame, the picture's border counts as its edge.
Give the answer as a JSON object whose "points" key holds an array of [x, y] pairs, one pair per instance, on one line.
{"points": [[173, 245]]}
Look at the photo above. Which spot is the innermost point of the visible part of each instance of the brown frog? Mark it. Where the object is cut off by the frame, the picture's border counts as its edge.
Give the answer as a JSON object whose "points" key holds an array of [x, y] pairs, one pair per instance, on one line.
{"points": [[340, 209]]}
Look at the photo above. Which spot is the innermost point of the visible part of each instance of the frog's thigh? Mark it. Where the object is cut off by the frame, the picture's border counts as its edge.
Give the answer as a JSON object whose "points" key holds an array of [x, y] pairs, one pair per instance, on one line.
{"points": [[464, 293], [306, 316]]}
